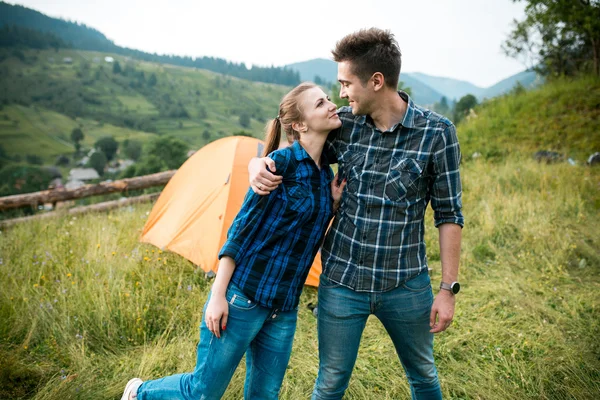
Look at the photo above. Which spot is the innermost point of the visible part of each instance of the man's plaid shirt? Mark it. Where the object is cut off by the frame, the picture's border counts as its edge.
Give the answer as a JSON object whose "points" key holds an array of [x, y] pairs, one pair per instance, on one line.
{"points": [[377, 241]]}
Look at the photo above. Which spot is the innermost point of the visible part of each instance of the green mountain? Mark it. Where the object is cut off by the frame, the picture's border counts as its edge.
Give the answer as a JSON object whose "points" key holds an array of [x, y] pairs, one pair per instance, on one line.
{"points": [[326, 70], [528, 79], [426, 89], [45, 94], [453, 89], [82, 37]]}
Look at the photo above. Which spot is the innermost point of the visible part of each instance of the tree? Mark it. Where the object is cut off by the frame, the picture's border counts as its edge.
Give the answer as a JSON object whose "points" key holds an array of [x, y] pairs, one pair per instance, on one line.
{"points": [[442, 107], [117, 68], [108, 145], [152, 81], [163, 153], [98, 162], [404, 88], [206, 135], [463, 106], [77, 136], [245, 120], [132, 149], [558, 37], [335, 96]]}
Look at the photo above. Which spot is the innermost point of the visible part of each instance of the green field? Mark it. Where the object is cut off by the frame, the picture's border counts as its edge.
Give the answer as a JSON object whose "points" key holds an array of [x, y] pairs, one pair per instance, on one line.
{"points": [[45, 98], [86, 306]]}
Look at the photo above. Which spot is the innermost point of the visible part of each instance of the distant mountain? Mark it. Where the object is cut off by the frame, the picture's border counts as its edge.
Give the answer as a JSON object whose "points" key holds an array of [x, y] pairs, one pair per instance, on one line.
{"points": [[82, 37], [528, 79], [426, 89], [453, 89], [326, 70]]}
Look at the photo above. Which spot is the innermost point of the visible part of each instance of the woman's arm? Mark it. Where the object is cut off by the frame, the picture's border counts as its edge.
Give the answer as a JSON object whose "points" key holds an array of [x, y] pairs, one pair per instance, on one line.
{"points": [[217, 309]]}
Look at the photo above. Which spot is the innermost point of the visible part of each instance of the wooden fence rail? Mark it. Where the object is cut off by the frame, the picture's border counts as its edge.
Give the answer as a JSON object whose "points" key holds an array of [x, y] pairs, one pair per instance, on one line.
{"points": [[56, 195], [107, 205]]}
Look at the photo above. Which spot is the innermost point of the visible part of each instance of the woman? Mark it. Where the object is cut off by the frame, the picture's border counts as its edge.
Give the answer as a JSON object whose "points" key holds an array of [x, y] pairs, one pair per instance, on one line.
{"points": [[253, 304]]}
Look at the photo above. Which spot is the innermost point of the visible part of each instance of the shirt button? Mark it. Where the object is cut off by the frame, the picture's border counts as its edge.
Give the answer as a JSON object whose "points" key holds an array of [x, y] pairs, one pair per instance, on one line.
{"points": [[371, 186], [368, 211], [249, 301], [360, 262], [274, 316], [364, 238], [377, 161]]}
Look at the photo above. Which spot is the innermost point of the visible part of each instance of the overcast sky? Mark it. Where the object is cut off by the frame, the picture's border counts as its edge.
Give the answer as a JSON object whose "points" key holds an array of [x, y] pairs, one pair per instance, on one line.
{"points": [[453, 38]]}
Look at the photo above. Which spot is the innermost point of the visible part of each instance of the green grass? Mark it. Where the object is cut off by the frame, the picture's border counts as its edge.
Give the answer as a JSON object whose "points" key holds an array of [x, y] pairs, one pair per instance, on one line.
{"points": [[86, 306], [561, 116]]}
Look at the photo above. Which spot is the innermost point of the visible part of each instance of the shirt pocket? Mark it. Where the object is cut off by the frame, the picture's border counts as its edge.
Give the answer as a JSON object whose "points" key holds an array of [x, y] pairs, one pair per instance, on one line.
{"points": [[299, 199], [353, 166], [404, 180]]}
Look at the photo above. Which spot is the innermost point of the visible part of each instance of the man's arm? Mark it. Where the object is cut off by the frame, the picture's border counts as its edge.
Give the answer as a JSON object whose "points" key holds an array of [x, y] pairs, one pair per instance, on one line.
{"points": [[262, 180], [443, 305], [446, 201]]}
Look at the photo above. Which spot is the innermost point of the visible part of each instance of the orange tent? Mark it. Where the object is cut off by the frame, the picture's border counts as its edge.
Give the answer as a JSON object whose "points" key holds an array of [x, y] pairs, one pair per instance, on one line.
{"points": [[196, 208]]}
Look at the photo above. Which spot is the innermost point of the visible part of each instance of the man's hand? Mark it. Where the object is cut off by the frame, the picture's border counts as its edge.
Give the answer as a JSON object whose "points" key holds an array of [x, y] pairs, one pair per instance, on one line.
{"points": [[442, 311], [261, 180]]}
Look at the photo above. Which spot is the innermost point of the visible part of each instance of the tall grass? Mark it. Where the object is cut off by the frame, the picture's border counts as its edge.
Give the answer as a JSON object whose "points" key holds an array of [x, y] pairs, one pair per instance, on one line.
{"points": [[84, 306]]}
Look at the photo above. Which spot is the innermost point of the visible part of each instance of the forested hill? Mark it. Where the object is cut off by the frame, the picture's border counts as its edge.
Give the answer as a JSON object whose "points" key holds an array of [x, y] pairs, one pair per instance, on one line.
{"points": [[82, 37]]}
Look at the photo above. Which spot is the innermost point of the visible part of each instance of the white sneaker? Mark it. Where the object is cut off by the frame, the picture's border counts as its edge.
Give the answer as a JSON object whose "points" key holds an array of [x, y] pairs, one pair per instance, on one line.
{"points": [[131, 389]]}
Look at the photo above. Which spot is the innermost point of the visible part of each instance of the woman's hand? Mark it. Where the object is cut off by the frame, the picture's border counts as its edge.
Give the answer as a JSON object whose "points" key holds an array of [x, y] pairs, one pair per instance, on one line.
{"points": [[336, 191], [216, 314], [261, 180]]}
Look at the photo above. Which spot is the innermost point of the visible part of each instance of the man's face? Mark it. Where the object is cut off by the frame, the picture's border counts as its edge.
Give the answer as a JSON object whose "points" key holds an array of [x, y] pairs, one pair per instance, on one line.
{"points": [[351, 88]]}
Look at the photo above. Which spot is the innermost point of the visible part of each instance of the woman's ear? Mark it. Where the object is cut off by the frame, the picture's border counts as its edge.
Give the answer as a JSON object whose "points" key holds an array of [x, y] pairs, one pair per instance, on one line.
{"points": [[299, 126]]}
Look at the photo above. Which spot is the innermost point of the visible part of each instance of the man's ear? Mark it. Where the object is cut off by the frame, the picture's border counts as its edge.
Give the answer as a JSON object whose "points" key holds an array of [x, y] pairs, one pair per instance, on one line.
{"points": [[299, 126], [378, 81]]}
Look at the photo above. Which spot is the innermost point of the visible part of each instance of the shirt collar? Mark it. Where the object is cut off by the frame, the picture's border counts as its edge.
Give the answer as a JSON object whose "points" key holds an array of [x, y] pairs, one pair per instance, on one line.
{"points": [[301, 154], [409, 116]]}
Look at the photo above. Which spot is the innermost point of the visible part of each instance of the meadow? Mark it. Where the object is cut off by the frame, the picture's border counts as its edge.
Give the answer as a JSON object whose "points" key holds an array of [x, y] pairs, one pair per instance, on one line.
{"points": [[85, 306]]}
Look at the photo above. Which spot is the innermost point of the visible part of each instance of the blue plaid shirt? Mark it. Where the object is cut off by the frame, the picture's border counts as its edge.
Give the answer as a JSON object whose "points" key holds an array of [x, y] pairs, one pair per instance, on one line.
{"points": [[274, 239], [376, 241]]}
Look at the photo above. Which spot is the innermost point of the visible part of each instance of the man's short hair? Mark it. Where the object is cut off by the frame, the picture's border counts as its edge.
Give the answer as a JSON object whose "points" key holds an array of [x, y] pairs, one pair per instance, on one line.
{"points": [[369, 51]]}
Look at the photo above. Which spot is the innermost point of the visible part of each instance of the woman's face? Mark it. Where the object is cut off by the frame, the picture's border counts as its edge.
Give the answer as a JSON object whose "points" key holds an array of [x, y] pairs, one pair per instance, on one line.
{"points": [[319, 113]]}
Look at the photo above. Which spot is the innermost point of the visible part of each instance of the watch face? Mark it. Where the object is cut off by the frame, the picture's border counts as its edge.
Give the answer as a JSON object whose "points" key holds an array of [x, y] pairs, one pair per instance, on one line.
{"points": [[455, 287]]}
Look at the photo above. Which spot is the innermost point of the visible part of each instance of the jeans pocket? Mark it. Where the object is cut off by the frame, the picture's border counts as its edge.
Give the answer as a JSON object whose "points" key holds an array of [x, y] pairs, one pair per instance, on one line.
{"points": [[419, 283], [326, 283], [237, 299]]}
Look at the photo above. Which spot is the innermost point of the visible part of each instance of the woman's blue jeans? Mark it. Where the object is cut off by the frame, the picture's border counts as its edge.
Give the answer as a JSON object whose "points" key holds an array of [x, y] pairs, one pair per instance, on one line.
{"points": [[404, 312], [265, 335]]}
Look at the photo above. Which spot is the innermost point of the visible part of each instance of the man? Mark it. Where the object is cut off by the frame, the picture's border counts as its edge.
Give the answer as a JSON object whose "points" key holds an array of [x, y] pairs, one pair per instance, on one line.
{"points": [[396, 158]]}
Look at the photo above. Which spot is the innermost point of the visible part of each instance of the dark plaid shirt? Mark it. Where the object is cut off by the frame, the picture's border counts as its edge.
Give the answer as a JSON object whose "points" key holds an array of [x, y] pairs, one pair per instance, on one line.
{"points": [[377, 238], [274, 239]]}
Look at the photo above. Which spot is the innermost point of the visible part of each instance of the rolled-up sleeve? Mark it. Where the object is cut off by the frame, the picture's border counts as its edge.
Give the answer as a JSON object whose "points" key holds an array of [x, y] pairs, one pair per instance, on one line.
{"points": [[446, 188], [249, 219]]}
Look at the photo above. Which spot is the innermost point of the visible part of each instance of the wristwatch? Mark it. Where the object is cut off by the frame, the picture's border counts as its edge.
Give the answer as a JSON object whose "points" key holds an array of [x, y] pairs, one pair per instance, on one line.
{"points": [[453, 287]]}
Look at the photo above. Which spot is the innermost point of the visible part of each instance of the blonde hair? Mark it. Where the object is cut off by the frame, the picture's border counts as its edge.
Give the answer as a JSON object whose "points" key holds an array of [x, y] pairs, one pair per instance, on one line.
{"points": [[289, 112]]}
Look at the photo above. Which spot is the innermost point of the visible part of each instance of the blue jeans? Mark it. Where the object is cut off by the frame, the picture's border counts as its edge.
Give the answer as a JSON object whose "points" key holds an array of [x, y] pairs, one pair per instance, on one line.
{"points": [[265, 335], [403, 311]]}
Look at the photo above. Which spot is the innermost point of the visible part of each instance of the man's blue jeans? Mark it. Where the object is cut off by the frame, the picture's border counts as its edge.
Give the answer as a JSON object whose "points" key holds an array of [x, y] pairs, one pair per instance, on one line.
{"points": [[404, 312], [265, 335]]}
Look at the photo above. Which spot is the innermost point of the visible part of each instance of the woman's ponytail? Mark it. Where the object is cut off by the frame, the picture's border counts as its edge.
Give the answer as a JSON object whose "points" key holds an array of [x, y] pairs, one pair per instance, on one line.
{"points": [[273, 136]]}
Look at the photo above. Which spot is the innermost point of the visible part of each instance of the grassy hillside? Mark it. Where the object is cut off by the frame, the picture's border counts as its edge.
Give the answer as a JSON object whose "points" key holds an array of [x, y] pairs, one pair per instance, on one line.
{"points": [[562, 116], [142, 99], [85, 306]]}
